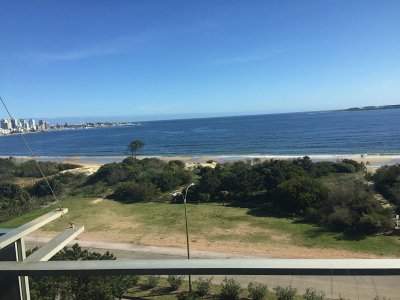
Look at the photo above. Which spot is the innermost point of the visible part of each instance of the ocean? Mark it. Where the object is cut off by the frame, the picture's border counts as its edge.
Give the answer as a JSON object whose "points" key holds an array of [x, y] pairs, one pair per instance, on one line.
{"points": [[297, 134]]}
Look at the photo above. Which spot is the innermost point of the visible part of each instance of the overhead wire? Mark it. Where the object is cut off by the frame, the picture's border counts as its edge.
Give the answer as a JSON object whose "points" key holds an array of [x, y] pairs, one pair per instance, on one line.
{"points": [[57, 200]]}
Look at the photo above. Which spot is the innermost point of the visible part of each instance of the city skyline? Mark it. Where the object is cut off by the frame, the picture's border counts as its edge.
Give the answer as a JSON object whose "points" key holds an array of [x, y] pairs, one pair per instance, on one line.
{"points": [[21, 125], [134, 119], [156, 60]]}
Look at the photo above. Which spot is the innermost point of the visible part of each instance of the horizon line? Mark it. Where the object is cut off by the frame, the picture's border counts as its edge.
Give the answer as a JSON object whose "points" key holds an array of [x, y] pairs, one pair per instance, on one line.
{"points": [[189, 116]]}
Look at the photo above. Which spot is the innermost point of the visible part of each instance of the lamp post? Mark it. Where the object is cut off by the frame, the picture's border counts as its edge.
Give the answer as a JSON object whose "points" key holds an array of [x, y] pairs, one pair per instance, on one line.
{"points": [[187, 234]]}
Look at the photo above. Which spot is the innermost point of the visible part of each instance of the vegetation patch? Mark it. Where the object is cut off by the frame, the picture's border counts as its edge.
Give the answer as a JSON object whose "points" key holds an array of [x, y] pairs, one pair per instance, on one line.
{"points": [[274, 203], [387, 182]]}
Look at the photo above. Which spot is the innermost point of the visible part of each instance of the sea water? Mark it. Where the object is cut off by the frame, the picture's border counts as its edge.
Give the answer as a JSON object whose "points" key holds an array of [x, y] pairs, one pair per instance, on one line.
{"points": [[297, 134]]}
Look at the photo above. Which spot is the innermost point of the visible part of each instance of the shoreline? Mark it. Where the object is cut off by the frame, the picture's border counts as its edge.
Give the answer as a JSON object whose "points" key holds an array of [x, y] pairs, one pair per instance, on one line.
{"points": [[375, 160]]}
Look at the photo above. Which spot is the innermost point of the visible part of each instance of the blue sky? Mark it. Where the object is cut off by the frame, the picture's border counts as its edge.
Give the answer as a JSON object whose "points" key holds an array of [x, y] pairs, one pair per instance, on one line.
{"points": [[162, 59]]}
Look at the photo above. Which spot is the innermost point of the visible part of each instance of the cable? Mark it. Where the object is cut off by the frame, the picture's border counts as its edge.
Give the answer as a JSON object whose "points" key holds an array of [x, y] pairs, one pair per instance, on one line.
{"points": [[34, 158]]}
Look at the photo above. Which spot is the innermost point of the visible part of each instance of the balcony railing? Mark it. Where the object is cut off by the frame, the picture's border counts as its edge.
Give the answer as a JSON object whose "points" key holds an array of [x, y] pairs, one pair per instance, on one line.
{"points": [[14, 266]]}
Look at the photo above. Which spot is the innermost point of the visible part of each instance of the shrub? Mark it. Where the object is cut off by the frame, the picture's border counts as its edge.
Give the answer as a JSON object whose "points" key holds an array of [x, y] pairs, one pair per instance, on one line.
{"points": [[257, 291], [312, 294], [166, 181], [14, 200], [322, 168], [203, 197], [30, 168], [96, 189], [110, 174], [152, 281], [135, 192], [175, 282], [119, 285], [41, 188], [135, 279], [10, 191], [230, 289], [285, 293], [351, 207], [301, 193], [357, 166], [176, 163], [345, 168], [203, 286], [128, 161], [387, 182], [7, 168]]}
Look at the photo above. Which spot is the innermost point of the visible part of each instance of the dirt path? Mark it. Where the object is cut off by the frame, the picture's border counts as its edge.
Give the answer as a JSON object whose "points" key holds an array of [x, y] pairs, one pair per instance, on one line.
{"points": [[86, 168], [174, 241]]}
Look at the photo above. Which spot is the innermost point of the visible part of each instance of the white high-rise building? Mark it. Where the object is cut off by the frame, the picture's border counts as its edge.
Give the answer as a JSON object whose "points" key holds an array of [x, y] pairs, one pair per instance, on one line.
{"points": [[32, 124], [6, 124], [42, 125], [24, 124], [15, 124]]}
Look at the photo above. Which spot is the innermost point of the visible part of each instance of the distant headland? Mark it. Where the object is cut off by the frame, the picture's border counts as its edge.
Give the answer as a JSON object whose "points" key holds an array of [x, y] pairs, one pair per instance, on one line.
{"points": [[382, 107]]}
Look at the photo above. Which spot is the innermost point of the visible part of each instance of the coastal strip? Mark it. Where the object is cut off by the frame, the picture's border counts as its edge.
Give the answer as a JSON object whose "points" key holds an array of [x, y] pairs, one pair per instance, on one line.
{"points": [[371, 160]]}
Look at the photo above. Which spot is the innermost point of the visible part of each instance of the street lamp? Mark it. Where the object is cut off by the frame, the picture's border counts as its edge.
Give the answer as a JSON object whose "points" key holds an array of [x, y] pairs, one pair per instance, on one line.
{"points": [[187, 233]]}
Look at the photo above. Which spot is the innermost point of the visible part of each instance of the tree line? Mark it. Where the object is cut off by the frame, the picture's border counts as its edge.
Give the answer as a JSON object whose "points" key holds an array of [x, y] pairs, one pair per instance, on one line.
{"points": [[330, 194], [298, 187], [19, 198]]}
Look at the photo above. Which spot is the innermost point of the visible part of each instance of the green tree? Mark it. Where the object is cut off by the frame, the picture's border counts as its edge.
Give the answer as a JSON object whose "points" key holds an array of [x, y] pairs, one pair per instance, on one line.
{"points": [[351, 207], [299, 194], [387, 182], [130, 192], [14, 200], [209, 182], [121, 284], [135, 146], [80, 287]]}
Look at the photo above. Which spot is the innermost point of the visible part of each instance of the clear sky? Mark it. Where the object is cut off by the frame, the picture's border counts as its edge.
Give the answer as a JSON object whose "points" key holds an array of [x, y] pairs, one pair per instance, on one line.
{"points": [[167, 58]]}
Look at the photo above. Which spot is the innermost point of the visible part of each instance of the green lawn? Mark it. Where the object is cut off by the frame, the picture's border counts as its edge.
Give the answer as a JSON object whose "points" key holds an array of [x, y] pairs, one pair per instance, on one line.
{"points": [[208, 222]]}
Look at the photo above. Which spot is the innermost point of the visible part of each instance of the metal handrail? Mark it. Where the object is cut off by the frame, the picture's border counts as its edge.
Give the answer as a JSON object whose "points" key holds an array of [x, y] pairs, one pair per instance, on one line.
{"points": [[342, 267]]}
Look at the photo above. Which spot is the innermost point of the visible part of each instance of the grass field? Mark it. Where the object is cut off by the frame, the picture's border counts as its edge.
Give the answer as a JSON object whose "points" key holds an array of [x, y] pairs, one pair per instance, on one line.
{"points": [[211, 227]]}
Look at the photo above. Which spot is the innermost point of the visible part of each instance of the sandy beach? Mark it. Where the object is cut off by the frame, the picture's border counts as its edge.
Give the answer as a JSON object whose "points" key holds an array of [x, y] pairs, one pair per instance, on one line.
{"points": [[90, 164], [373, 159]]}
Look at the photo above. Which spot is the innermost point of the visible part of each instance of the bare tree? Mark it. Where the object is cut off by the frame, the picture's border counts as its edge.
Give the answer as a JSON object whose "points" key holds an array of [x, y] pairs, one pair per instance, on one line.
{"points": [[135, 146]]}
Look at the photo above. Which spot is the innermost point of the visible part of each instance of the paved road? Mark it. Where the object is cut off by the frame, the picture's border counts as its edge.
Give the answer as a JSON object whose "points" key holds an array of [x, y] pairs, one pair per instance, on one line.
{"points": [[350, 287]]}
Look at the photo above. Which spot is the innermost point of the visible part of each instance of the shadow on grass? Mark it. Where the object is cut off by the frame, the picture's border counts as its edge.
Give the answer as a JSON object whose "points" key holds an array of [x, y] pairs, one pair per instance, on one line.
{"points": [[267, 211], [317, 232], [392, 233], [161, 291], [124, 200], [345, 236]]}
